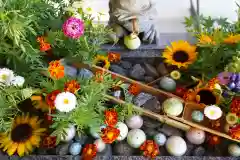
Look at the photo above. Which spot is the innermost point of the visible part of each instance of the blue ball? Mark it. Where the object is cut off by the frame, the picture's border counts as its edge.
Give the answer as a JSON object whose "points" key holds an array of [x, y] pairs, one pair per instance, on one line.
{"points": [[231, 85], [238, 77], [75, 149], [197, 116]]}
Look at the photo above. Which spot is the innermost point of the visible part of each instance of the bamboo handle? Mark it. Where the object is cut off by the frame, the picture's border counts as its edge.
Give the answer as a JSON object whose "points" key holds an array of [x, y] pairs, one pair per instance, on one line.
{"points": [[135, 26]]}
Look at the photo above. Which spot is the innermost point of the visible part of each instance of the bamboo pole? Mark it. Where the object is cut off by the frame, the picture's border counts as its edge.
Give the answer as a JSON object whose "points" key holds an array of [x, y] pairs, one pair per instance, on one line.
{"points": [[161, 118]]}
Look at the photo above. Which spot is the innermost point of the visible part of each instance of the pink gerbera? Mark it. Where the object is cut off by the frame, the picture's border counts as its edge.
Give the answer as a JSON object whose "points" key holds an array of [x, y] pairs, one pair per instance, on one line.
{"points": [[73, 28]]}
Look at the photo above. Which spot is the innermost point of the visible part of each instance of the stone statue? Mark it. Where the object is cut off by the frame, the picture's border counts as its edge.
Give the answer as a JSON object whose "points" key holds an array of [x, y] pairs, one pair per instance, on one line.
{"points": [[123, 12]]}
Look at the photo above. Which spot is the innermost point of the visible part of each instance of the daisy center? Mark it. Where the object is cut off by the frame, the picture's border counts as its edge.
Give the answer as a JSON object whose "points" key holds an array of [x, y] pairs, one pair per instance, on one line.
{"points": [[180, 56], [4, 77], [207, 97], [65, 101], [21, 133], [212, 113], [101, 63]]}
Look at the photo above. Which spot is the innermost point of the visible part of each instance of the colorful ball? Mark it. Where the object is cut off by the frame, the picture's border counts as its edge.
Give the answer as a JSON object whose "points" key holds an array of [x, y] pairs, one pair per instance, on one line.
{"points": [[196, 136], [134, 122], [75, 148], [100, 145], [197, 116], [167, 84], [176, 146], [136, 137], [160, 139], [123, 130]]}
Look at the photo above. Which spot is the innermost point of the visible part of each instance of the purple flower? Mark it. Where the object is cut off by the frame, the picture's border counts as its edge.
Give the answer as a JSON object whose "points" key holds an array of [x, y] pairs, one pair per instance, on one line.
{"points": [[73, 28], [224, 77]]}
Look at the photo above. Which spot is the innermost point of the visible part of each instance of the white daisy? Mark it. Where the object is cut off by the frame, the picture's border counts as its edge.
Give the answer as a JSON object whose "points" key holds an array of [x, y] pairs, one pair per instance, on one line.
{"points": [[6, 76], [18, 81], [65, 102], [213, 112]]}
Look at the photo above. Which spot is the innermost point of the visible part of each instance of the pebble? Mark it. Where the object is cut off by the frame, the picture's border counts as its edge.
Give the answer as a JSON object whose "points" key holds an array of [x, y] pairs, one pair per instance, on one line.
{"points": [[70, 133], [80, 138], [151, 123], [70, 71], [137, 72], [170, 131], [153, 105], [106, 153], [148, 79], [126, 64], [150, 132], [118, 69], [123, 149], [75, 148], [150, 70], [199, 151], [85, 73], [141, 99], [62, 149], [162, 70]]}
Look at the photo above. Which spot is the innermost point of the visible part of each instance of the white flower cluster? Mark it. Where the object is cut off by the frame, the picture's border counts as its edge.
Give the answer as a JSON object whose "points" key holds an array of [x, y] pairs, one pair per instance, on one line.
{"points": [[7, 78]]}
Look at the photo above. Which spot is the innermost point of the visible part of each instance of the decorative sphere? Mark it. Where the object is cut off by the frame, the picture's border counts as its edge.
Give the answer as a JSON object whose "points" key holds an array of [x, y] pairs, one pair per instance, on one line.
{"points": [[100, 145], [234, 150], [176, 146], [75, 149], [160, 139], [172, 106], [95, 134], [167, 84], [136, 137], [70, 133], [196, 136], [123, 130], [197, 116], [232, 85], [134, 122], [132, 41]]}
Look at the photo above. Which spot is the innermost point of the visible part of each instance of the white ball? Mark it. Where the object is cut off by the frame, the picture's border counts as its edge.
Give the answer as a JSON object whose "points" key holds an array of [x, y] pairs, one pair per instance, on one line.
{"points": [[134, 122], [136, 137], [95, 134], [195, 136], [176, 146], [70, 133], [123, 130], [100, 145], [160, 139], [234, 150]]}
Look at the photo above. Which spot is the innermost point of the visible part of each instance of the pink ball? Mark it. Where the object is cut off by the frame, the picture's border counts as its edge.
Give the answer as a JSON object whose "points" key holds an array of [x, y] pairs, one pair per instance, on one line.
{"points": [[196, 136]]}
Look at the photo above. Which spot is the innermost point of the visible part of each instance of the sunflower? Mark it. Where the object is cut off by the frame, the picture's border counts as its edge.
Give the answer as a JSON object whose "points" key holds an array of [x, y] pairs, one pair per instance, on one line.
{"points": [[101, 61], [232, 39], [24, 135], [206, 40], [180, 54]]}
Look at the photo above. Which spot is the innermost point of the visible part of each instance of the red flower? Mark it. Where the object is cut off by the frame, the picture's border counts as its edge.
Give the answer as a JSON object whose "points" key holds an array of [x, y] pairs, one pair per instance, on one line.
{"points": [[72, 86], [134, 89], [56, 69], [150, 149], [89, 152], [235, 132], [49, 142], [114, 57], [214, 140], [212, 82], [235, 106], [44, 46], [111, 117], [109, 134], [50, 98], [180, 91]]}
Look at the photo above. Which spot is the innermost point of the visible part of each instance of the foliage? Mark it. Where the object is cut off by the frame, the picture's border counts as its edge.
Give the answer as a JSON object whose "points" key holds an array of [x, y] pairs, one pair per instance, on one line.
{"points": [[89, 112], [234, 66], [10, 98], [215, 55]]}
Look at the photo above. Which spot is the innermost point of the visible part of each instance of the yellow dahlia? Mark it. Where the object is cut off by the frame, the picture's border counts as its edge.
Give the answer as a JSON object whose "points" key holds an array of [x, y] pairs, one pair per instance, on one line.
{"points": [[180, 54], [23, 137]]}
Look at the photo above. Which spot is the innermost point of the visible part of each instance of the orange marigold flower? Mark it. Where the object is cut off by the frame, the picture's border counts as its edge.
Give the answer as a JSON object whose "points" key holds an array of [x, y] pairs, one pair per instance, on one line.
{"points": [[56, 69], [150, 149], [235, 106], [50, 98], [72, 86], [109, 134], [89, 152], [114, 57], [235, 132], [134, 89], [45, 47], [99, 76], [111, 117], [49, 142], [41, 39]]}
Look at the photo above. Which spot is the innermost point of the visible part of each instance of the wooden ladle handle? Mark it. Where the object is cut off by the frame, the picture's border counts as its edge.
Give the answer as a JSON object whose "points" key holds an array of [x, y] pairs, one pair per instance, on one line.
{"points": [[135, 26]]}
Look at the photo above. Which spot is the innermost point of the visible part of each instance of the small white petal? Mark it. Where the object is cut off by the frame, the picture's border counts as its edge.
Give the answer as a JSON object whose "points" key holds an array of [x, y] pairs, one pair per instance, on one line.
{"points": [[18, 81], [6, 76], [65, 102]]}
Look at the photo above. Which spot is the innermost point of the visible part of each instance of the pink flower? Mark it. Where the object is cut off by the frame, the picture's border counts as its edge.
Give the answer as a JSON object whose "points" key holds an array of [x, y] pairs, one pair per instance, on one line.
{"points": [[73, 28]]}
